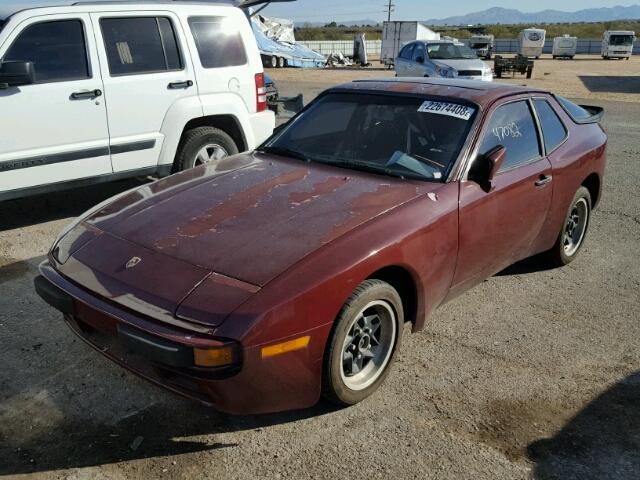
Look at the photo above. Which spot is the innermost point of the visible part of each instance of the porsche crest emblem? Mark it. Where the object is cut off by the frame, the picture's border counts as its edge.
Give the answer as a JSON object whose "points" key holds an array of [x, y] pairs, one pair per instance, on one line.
{"points": [[133, 262]]}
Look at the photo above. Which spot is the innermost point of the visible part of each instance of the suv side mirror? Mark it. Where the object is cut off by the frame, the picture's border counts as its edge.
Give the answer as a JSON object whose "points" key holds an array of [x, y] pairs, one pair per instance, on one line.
{"points": [[420, 59], [17, 74], [486, 167]]}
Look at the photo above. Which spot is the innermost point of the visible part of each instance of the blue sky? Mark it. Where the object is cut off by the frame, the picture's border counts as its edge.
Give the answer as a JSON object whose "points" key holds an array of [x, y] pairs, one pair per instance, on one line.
{"points": [[320, 11], [335, 10]]}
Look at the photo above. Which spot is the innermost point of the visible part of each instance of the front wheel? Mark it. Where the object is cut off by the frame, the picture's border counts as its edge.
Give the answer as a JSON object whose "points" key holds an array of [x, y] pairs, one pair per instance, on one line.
{"points": [[574, 231], [363, 343]]}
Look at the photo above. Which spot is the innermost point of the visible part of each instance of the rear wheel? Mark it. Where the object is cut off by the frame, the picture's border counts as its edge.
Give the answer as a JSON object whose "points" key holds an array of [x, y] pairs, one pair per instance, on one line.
{"points": [[363, 343], [281, 62], [204, 146], [571, 238]]}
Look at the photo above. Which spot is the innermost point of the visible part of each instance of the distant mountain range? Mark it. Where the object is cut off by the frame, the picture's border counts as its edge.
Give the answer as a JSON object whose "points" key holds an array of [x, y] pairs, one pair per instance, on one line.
{"points": [[498, 15]]}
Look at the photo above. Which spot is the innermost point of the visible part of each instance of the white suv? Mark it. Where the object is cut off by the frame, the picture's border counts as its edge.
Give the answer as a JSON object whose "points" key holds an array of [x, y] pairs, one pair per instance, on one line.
{"points": [[92, 92]]}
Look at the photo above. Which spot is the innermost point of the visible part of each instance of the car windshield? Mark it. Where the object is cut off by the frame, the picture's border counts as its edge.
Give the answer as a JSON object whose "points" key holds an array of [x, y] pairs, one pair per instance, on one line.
{"points": [[449, 51], [400, 136], [626, 40]]}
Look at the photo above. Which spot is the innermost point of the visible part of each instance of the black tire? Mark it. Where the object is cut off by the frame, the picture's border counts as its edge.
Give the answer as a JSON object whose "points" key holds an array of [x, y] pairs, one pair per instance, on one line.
{"points": [[558, 254], [281, 62], [334, 387], [197, 139]]}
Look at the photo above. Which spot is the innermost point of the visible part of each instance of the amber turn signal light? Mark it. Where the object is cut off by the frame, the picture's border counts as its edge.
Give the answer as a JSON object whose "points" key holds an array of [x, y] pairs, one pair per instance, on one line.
{"points": [[213, 357], [290, 346]]}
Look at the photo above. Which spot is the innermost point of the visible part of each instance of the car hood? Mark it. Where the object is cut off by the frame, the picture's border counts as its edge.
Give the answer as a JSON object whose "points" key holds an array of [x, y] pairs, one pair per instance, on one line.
{"points": [[470, 64], [254, 216]]}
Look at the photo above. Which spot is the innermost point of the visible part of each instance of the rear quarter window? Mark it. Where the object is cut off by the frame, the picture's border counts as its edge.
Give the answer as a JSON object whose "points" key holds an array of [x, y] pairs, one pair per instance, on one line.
{"points": [[218, 41], [553, 130]]}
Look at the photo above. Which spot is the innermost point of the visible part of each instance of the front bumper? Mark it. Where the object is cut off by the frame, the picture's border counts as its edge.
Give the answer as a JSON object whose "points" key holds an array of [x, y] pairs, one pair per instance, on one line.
{"points": [[163, 354]]}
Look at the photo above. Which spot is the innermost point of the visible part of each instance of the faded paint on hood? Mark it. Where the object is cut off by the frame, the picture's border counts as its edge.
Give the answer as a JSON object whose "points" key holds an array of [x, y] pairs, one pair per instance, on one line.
{"points": [[253, 222]]}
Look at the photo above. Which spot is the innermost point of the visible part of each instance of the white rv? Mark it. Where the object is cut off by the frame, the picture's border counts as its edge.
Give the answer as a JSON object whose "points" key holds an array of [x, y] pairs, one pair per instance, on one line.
{"points": [[617, 44], [564, 47], [482, 45], [396, 35], [532, 42]]}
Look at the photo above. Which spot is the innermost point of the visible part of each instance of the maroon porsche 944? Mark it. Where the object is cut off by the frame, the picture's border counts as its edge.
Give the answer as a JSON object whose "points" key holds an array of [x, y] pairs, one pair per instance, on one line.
{"points": [[262, 281]]}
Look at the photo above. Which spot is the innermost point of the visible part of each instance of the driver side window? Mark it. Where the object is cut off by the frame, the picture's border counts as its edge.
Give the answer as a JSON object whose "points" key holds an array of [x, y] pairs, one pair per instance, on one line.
{"points": [[513, 127], [56, 48], [419, 52], [407, 51]]}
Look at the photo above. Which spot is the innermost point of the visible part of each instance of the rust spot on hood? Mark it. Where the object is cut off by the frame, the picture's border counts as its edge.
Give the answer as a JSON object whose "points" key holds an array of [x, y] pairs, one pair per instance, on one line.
{"points": [[232, 207], [368, 202], [326, 187]]}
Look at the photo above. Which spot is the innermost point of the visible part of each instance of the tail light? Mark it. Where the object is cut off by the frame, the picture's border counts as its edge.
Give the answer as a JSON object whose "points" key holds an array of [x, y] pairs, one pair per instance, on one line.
{"points": [[261, 93]]}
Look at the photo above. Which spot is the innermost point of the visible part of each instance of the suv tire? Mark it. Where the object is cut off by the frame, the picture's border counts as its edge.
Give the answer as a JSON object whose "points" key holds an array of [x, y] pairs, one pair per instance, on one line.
{"points": [[204, 146]]}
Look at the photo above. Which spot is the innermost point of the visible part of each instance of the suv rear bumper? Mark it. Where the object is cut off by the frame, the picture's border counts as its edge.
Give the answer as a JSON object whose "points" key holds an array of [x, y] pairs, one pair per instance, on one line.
{"points": [[262, 125]]}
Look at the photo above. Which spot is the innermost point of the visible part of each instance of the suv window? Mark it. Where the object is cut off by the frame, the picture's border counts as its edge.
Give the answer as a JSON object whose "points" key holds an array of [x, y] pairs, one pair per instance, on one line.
{"points": [[138, 45], [407, 52], [217, 46], [513, 127], [553, 130], [419, 52], [57, 50]]}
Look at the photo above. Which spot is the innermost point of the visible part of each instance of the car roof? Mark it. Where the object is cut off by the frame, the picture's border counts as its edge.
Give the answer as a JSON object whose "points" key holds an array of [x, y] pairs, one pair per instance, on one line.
{"points": [[476, 91], [16, 6]]}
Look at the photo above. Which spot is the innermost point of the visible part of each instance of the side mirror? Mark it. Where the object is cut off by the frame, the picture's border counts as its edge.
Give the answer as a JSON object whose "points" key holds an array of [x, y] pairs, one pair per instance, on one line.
{"points": [[420, 59], [486, 167], [17, 74]]}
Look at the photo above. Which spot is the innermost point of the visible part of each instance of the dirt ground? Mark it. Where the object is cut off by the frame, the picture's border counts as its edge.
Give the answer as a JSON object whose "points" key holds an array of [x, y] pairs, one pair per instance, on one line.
{"points": [[533, 374], [587, 77]]}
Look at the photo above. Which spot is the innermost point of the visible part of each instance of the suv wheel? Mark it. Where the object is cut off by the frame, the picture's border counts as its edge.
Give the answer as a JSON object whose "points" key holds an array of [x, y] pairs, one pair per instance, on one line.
{"points": [[204, 146]]}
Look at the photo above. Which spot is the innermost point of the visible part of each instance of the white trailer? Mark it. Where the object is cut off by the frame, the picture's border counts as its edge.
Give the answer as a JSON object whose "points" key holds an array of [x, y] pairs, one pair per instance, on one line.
{"points": [[618, 44], [564, 47], [396, 35], [532, 42]]}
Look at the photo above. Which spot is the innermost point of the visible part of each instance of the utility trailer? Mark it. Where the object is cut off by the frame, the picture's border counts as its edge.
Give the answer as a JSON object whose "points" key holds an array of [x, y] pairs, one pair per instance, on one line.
{"points": [[396, 35], [518, 64]]}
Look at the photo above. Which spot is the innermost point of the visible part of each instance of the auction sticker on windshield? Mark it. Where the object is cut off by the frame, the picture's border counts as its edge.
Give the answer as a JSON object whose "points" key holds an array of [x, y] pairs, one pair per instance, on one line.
{"points": [[450, 109]]}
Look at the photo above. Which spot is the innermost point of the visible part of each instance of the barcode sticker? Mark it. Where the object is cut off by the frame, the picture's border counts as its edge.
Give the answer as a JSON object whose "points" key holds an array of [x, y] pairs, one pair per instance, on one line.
{"points": [[450, 109]]}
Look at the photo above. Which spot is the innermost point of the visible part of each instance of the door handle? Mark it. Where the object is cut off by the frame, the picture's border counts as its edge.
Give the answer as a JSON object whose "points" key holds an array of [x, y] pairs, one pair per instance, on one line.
{"points": [[544, 180], [86, 94], [177, 85]]}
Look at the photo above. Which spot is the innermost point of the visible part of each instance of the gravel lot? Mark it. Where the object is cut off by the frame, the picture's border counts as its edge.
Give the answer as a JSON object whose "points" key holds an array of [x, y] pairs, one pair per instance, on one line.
{"points": [[535, 373]]}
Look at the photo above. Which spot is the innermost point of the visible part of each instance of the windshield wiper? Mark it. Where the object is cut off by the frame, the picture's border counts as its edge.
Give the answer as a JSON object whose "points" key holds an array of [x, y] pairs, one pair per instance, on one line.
{"points": [[368, 168], [285, 152]]}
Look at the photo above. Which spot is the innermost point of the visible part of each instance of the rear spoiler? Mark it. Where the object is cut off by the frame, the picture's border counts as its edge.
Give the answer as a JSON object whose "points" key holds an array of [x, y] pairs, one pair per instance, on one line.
{"points": [[596, 114]]}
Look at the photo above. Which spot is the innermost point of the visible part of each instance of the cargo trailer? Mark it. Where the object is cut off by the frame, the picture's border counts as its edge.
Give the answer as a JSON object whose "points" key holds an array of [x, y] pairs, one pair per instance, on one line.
{"points": [[396, 35]]}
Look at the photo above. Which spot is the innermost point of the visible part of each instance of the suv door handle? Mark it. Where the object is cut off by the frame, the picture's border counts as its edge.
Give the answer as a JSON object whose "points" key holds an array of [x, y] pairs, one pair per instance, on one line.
{"points": [[177, 85], [544, 180], [86, 94]]}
